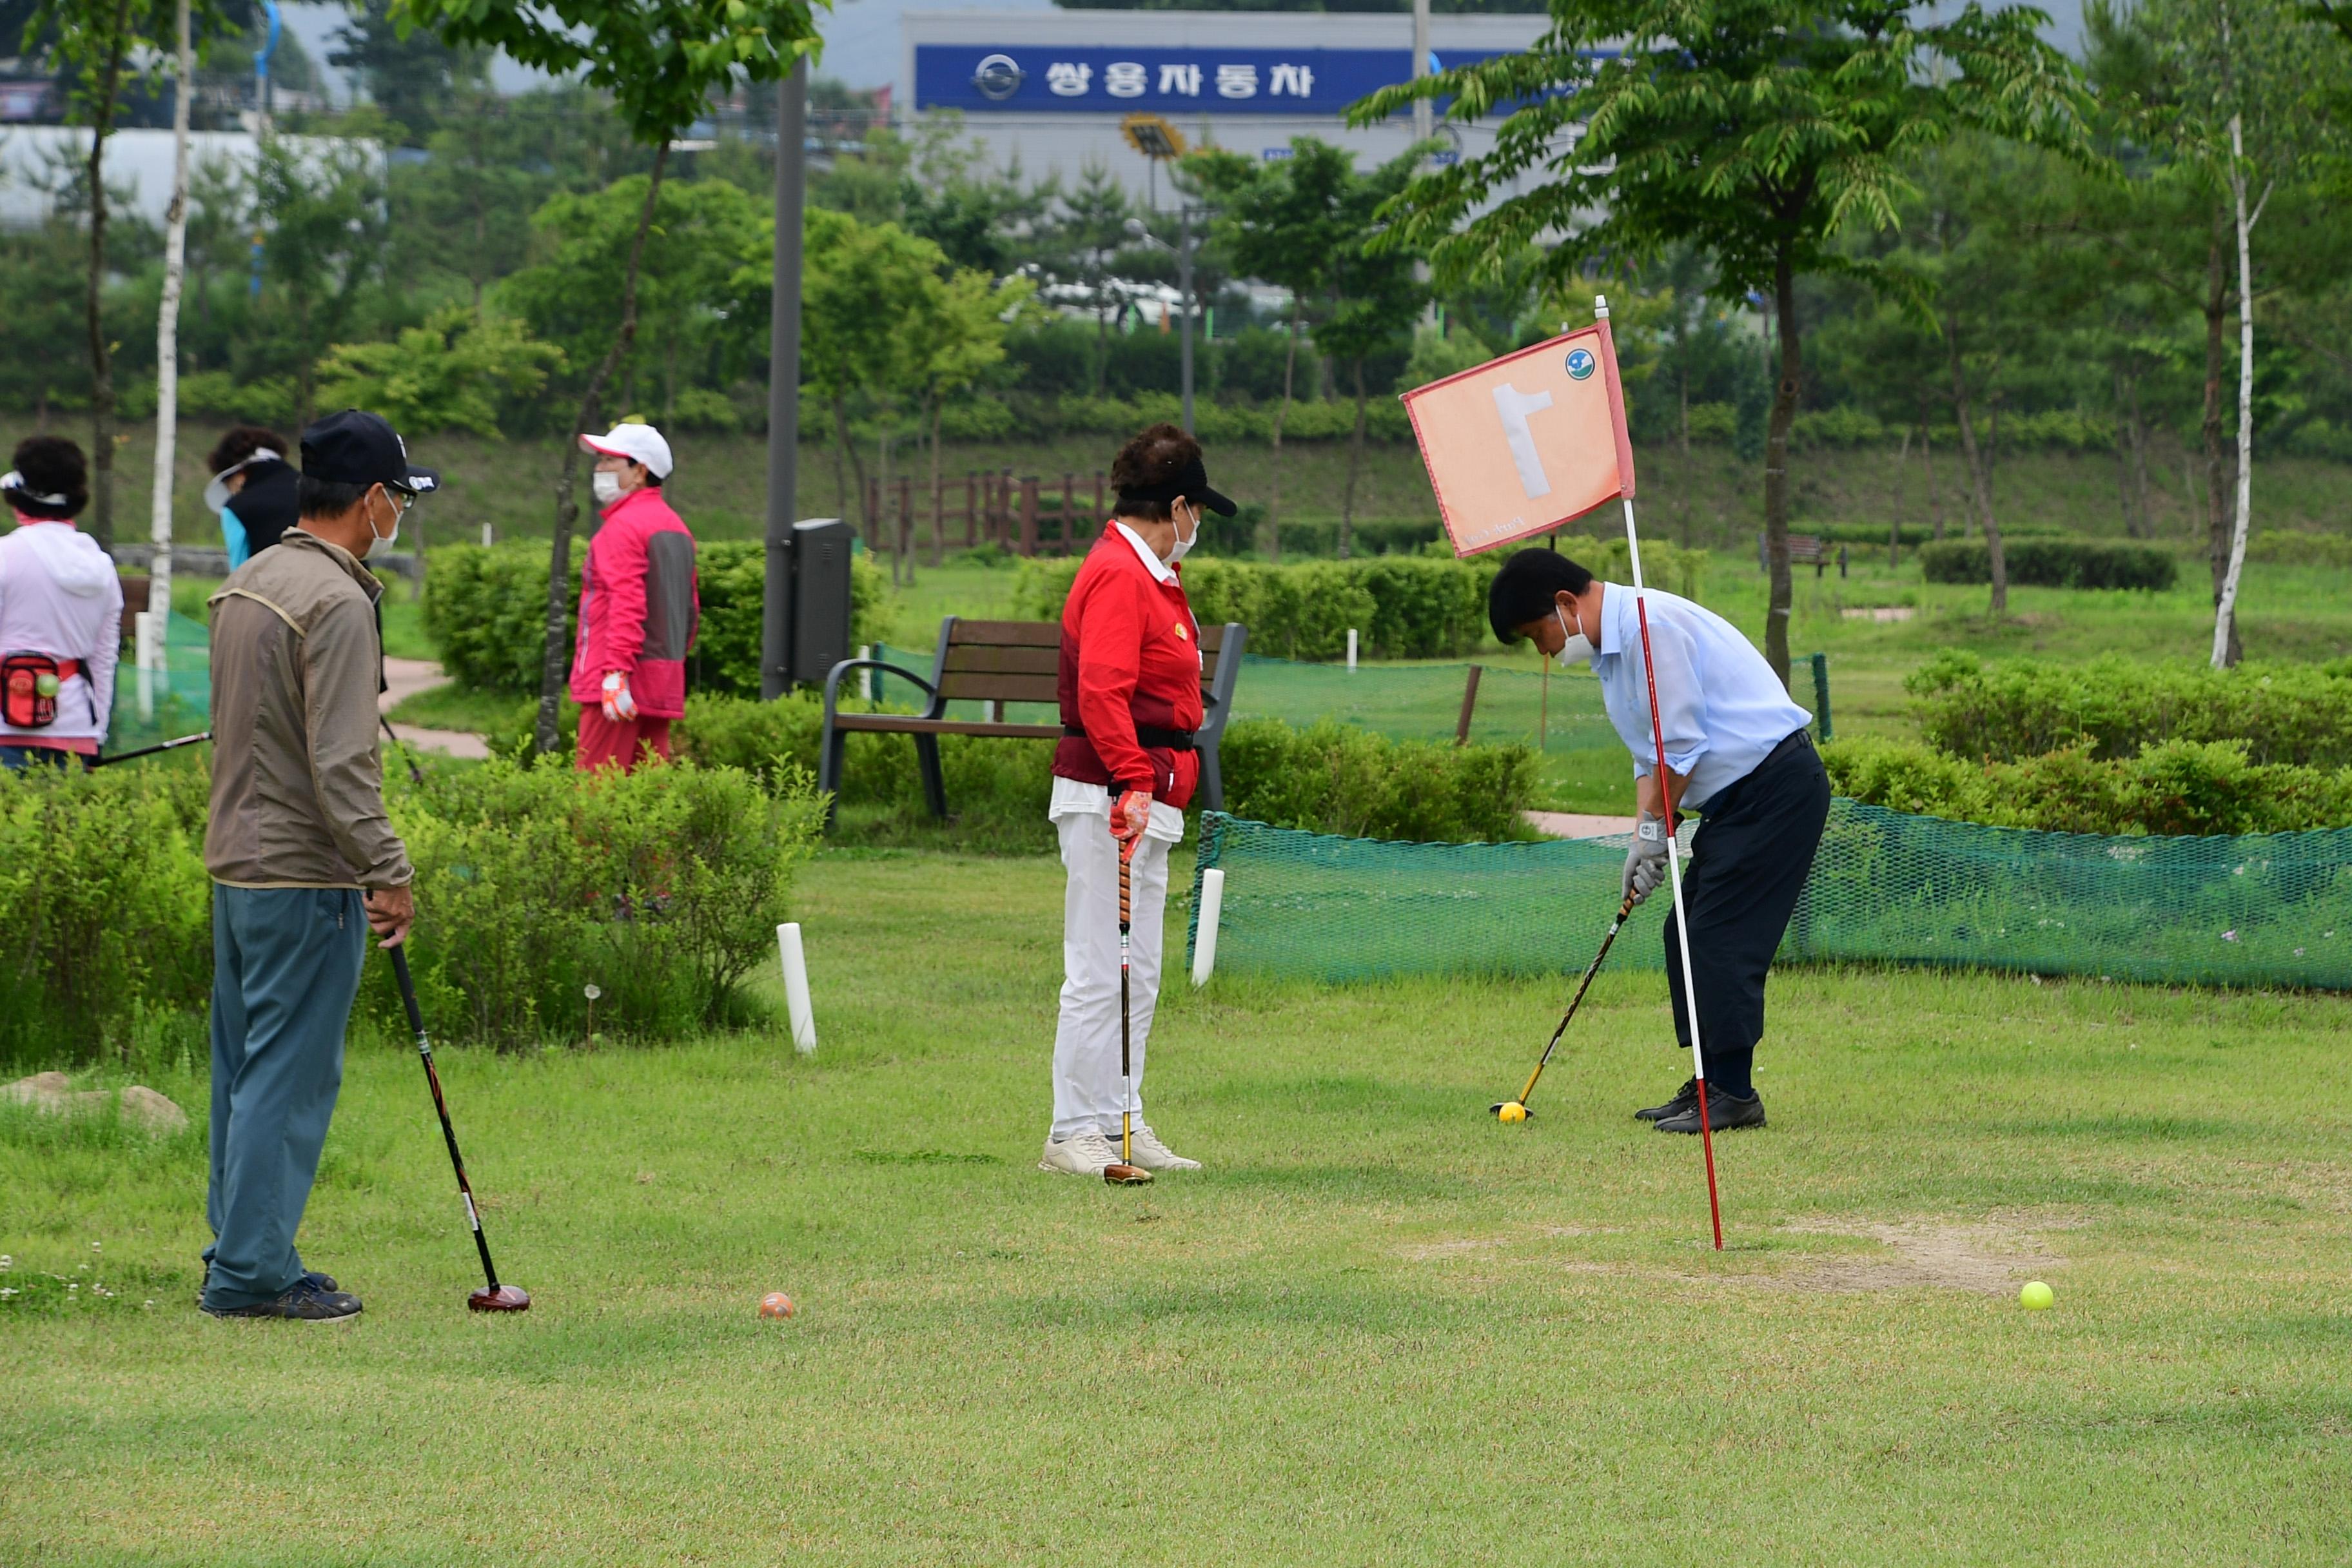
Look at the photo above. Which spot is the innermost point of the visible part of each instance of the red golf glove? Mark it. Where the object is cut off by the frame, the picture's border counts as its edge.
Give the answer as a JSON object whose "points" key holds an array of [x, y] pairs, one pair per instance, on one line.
{"points": [[1130, 814], [618, 704]]}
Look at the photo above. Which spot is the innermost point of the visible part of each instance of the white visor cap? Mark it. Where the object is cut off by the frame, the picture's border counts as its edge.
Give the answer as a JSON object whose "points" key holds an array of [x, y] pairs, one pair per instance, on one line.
{"points": [[638, 443]]}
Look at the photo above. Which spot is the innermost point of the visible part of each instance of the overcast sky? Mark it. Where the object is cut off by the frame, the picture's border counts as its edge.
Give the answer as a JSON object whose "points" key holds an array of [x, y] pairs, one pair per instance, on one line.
{"points": [[861, 37]]}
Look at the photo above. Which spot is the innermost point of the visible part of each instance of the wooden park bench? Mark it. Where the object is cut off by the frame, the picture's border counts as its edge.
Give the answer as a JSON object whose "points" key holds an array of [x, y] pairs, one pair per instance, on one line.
{"points": [[1804, 549], [996, 662]]}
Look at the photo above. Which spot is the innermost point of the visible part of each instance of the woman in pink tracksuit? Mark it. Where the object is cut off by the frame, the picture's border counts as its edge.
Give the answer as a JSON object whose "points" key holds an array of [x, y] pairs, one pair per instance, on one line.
{"points": [[639, 606], [61, 613]]}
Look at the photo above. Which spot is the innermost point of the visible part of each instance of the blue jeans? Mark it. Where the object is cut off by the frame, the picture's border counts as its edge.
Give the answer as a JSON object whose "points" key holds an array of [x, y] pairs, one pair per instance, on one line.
{"points": [[16, 759], [286, 969]]}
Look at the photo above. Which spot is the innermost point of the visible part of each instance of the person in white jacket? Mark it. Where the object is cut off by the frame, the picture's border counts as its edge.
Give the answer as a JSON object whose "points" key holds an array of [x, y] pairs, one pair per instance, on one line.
{"points": [[61, 613]]}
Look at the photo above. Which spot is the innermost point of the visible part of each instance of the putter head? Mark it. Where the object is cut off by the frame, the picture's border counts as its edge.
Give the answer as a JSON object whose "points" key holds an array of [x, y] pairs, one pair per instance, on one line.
{"points": [[505, 1299], [1123, 1175]]}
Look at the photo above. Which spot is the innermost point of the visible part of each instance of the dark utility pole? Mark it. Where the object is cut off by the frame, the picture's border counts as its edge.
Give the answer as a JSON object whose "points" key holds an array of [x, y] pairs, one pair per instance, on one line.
{"points": [[784, 382]]}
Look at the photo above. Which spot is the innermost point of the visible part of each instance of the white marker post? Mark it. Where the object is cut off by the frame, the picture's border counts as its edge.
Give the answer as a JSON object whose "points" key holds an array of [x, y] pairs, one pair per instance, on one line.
{"points": [[1212, 907], [1673, 852], [1351, 649], [796, 987]]}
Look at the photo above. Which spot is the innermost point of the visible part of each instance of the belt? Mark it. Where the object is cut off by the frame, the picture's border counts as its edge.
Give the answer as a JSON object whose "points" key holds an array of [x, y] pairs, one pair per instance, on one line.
{"points": [[1149, 736]]}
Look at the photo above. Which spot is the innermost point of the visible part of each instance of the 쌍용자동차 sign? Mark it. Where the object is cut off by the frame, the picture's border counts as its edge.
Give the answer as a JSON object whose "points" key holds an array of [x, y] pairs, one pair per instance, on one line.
{"points": [[1051, 79]]}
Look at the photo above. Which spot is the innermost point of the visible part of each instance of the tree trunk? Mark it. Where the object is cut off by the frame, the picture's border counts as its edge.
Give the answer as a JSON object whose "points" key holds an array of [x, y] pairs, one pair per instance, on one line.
{"points": [[2227, 648], [553, 659], [2217, 506], [101, 363], [1928, 465], [1895, 513], [1281, 412], [1972, 459], [2123, 463], [939, 523], [857, 466], [1776, 467], [2139, 461], [1355, 464], [167, 325]]}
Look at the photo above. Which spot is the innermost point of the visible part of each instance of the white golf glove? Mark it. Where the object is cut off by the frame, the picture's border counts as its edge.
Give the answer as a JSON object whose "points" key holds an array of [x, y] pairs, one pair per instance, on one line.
{"points": [[1645, 862]]}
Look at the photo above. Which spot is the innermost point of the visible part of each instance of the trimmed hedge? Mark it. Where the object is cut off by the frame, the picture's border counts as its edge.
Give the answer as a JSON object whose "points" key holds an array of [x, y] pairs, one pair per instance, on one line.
{"points": [[2046, 562], [2113, 706], [2171, 787], [485, 611], [1426, 606], [1335, 778]]}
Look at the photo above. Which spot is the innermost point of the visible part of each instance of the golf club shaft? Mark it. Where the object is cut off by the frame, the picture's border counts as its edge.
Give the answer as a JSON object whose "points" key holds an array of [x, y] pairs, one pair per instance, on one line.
{"points": [[1624, 911], [415, 773], [171, 746], [448, 1132], [1126, 1017]]}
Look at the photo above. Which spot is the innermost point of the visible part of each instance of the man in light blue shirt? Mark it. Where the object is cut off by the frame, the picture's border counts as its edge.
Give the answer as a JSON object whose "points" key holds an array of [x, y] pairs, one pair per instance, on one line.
{"points": [[1737, 753]]}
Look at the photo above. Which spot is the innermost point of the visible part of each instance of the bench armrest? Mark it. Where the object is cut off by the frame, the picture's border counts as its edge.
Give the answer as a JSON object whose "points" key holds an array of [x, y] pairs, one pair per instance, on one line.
{"points": [[833, 682]]}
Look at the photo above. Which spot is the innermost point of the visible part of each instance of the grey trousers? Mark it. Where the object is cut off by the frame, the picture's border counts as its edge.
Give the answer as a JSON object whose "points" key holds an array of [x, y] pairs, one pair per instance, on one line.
{"points": [[286, 969]]}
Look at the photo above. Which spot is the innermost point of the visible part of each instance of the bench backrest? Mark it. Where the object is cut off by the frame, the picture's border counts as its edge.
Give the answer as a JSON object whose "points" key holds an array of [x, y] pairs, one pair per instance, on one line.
{"points": [[1020, 661]]}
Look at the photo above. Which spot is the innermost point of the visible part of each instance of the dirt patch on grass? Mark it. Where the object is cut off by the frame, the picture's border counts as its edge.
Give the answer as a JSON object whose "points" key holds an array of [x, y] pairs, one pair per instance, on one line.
{"points": [[1992, 1256]]}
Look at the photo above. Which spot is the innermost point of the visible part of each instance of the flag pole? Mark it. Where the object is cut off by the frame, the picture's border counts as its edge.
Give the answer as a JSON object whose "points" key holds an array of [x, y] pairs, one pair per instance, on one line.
{"points": [[1674, 853]]}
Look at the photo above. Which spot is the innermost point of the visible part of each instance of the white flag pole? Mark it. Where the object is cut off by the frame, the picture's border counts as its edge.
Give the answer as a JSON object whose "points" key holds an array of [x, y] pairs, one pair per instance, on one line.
{"points": [[1673, 852]]}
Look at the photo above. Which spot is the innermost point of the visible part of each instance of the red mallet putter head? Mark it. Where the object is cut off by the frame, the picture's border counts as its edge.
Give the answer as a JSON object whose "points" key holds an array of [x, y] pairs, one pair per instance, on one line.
{"points": [[504, 1299], [1120, 1175]]}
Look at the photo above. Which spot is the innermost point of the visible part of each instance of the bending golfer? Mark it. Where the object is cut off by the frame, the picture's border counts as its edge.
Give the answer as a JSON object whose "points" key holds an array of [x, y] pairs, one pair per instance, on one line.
{"points": [[1130, 692], [1736, 754], [302, 856]]}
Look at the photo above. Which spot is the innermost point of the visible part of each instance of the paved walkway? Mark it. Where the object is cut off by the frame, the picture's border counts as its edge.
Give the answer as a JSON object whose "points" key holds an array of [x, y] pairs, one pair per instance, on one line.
{"points": [[403, 679]]}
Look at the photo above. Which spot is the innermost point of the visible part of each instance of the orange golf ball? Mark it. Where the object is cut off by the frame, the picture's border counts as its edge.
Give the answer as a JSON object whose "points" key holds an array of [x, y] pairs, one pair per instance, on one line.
{"points": [[776, 1304]]}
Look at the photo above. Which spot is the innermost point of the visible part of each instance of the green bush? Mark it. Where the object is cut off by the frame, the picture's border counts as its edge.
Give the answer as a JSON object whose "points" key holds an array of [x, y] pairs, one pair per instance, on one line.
{"points": [[485, 611], [2333, 550], [2114, 707], [662, 888], [1334, 778], [105, 909], [2171, 787], [2051, 563], [1428, 607]]}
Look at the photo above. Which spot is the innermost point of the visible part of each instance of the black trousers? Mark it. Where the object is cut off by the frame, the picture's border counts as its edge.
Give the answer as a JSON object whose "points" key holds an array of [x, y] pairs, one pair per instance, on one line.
{"points": [[1748, 861]]}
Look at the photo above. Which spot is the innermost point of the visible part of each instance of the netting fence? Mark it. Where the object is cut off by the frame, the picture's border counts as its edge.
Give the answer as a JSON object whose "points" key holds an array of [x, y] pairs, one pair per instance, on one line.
{"points": [[152, 705], [2261, 910]]}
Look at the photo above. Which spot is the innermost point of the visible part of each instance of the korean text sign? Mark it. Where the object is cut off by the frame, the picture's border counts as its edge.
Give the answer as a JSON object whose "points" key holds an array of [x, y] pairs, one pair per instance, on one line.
{"points": [[1528, 442], [1049, 80]]}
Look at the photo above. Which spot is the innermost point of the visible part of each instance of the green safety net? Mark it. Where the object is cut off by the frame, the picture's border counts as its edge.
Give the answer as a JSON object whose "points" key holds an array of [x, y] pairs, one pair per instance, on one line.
{"points": [[152, 705], [2266, 909]]}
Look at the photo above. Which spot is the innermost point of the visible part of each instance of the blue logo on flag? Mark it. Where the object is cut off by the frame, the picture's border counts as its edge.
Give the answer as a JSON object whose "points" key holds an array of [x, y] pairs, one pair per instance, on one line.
{"points": [[1580, 363]]}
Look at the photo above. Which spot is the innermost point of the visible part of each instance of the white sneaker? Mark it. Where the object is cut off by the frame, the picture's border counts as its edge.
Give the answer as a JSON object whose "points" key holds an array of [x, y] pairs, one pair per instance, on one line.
{"points": [[1079, 1154], [1153, 1155]]}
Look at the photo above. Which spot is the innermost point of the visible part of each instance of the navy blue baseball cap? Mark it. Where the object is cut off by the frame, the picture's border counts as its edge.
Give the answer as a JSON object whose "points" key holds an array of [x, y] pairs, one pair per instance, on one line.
{"points": [[354, 448]]}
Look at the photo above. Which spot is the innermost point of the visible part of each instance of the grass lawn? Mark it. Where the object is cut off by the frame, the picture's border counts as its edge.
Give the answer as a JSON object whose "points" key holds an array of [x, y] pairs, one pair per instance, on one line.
{"points": [[1377, 1329]]}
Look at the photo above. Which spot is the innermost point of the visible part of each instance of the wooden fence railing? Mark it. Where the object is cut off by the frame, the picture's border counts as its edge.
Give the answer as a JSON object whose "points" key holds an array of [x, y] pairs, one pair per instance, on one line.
{"points": [[1028, 515]]}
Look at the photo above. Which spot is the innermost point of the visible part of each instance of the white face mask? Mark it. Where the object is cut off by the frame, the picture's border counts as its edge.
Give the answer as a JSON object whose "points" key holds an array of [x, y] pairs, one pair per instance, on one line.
{"points": [[606, 486], [382, 542], [1183, 547], [1579, 648]]}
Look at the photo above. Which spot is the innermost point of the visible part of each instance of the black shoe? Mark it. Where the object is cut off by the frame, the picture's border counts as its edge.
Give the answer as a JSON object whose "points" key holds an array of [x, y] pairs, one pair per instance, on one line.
{"points": [[1723, 1112], [323, 1281], [303, 1300], [1685, 1098]]}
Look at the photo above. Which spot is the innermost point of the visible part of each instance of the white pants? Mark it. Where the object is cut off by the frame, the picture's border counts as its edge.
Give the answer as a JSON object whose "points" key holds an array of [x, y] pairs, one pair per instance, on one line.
{"points": [[1088, 1091]]}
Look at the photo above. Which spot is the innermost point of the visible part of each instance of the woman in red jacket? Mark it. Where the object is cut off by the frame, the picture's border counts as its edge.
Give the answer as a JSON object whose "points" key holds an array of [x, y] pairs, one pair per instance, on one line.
{"points": [[1130, 693], [639, 606]]}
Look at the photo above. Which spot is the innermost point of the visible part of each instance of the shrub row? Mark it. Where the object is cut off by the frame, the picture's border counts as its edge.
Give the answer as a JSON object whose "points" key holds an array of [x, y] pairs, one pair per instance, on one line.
{"points": [[2113, 706], [2169, 787], [2300, 549], [1427, 606], [662, 888], [1331, 778], [485, 611], [2048, 562], [1336, 778]]}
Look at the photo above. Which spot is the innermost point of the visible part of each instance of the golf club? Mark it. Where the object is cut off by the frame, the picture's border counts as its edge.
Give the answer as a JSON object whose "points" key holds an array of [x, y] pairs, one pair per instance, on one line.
{"points": [[1126, 1172], [1624, 911], [171, 745], [492, 1297], [415, 773]]}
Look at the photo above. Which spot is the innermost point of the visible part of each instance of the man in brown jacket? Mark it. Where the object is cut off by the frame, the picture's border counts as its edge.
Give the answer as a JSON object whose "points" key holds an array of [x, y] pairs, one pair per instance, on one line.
{"points": [[302, 856]]}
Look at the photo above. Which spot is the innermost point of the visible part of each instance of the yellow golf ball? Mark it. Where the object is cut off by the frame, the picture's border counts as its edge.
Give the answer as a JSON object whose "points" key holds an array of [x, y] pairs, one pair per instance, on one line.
{"points": [[1512, 1112], [2036, 1297]]}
